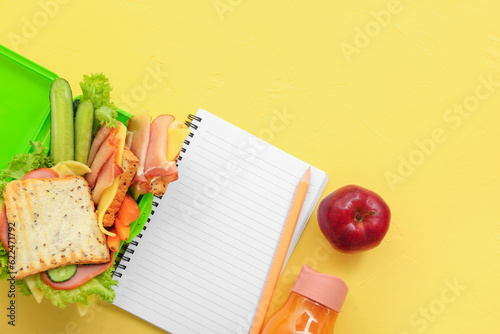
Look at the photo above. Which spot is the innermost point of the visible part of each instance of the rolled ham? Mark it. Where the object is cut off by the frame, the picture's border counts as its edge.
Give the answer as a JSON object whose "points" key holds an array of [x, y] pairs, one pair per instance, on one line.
{"points": [[110, 170], [156, 160], [99, 138], [140, 127], [108, 147]]}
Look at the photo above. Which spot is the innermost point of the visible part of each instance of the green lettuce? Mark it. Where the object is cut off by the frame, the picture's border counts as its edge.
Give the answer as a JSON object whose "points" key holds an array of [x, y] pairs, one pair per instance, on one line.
{"points": [[101, 286], [24, 163], [106, 115], [23, 287], [96, 88]]}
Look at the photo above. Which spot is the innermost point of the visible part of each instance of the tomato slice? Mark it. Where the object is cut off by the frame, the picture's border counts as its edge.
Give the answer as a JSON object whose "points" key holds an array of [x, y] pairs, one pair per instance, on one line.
{"points": [[4, 228], [39, 173]]}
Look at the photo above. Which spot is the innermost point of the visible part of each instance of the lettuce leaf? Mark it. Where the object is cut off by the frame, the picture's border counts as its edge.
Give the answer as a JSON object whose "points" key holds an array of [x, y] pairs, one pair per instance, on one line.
{"points": [[96, 88], [23, 287], [101, 286], [105, 115], [4, 259], [24, 163]]}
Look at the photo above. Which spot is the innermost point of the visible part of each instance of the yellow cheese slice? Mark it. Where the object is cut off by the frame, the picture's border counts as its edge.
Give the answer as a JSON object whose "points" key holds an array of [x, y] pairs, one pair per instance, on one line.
{"points": [[176, 137], [109, 193], [37, 293], [83, 309]]}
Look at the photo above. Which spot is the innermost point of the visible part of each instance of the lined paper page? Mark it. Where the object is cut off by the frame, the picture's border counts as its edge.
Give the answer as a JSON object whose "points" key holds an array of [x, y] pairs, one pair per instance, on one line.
{"points": [[203, 260]]}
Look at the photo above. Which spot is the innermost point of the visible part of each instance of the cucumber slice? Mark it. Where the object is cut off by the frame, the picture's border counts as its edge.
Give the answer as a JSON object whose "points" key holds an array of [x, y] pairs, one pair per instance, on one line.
{"points": [[62, 274]]}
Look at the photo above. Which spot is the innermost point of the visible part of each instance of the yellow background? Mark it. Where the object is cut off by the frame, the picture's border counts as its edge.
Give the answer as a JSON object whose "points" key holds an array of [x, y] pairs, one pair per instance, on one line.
{"points": [[373, 101]]}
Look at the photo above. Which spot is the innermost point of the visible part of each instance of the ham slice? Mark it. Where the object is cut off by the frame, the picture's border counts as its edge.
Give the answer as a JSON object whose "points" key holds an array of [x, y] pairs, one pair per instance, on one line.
{"points": [[109, 172], [140, 127], [83, 274], [99, 138], [4, 228], [106, 149], [156, 160]]}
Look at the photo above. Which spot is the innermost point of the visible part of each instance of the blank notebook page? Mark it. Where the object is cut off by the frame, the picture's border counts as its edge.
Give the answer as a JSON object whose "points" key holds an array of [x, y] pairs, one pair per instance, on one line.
{"points": [[203, 259]]}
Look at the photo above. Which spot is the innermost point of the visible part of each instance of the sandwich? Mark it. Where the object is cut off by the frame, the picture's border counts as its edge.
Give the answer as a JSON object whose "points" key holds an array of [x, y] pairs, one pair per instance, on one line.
{"points": [[54, 225]]}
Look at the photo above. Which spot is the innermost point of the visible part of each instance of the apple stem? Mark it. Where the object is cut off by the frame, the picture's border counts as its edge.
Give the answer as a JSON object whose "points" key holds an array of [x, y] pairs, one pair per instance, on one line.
{"points": [[361, 215]]}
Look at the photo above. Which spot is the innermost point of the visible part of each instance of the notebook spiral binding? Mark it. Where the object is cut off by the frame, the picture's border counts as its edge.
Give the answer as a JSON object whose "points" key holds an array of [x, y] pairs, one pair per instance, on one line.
{"points": [[130, 248]]}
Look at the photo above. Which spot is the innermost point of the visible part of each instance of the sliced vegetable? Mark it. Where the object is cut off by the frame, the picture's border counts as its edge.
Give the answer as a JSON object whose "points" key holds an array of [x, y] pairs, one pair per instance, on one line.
{"points": [[114, 241], [62, 274], [123, 231], [84, 122], [62, 129], [129, 211], [4, 228], [39, 173]]}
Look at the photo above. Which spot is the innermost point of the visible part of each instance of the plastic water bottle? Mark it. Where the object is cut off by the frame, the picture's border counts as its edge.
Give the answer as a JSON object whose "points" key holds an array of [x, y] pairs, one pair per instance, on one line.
{"points": [[312, 307]]}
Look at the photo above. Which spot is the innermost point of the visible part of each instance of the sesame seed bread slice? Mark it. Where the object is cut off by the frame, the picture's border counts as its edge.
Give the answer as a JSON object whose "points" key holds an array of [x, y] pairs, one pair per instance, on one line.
{"points": [[55, 224]]}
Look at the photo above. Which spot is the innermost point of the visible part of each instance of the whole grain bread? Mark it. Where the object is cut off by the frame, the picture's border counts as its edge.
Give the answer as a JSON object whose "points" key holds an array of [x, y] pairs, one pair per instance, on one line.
{"points": [[55, 225], [130, 165]]}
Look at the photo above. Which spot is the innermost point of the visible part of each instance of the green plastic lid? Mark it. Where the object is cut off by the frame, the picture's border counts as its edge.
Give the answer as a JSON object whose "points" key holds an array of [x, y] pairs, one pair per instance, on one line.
{"points": [[24, 104]]}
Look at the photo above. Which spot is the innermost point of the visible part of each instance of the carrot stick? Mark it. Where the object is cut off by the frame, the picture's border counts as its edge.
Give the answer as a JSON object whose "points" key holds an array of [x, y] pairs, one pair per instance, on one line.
{"points": [[129, 210], [123, 231], [114, 242]]}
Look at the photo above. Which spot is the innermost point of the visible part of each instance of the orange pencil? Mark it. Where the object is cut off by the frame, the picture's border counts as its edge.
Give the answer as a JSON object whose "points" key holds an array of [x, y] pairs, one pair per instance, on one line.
{"points": [[279, 257]]}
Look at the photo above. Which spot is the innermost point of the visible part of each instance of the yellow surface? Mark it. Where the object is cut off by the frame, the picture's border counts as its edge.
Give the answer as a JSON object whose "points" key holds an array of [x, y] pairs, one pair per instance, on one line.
{"points": [[410, 111]]}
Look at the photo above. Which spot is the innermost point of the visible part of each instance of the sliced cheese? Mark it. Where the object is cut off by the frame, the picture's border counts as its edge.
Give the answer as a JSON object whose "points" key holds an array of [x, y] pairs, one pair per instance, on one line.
{"points": [[176, 137], [37, 293], [83, 309], [109, 193]]}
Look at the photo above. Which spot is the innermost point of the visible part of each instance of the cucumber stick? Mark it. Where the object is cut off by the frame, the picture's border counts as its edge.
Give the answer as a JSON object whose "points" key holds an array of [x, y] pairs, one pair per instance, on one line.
{"points": [[62, 129], [84, 120]]}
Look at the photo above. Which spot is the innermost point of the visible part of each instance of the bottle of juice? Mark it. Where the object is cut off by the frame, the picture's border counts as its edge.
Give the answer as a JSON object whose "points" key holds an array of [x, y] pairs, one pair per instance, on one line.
{"points": [[312, 307]]}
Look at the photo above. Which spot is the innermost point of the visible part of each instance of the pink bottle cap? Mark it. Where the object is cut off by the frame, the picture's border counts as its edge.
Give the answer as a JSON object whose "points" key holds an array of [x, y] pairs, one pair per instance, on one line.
{"points": [[326, 290]]}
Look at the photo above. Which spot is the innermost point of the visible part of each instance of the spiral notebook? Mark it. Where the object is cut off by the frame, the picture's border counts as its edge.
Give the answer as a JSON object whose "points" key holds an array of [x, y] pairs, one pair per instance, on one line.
{"points": [[201, 262]]}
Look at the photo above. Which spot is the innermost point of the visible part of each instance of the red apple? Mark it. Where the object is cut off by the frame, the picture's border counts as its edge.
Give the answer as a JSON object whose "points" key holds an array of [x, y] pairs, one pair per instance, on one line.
{"points": [[354, 219]]}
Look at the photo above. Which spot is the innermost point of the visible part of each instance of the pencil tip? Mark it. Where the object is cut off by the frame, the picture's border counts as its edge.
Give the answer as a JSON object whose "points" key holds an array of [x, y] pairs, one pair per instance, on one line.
{"points": [[307, 175]]}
